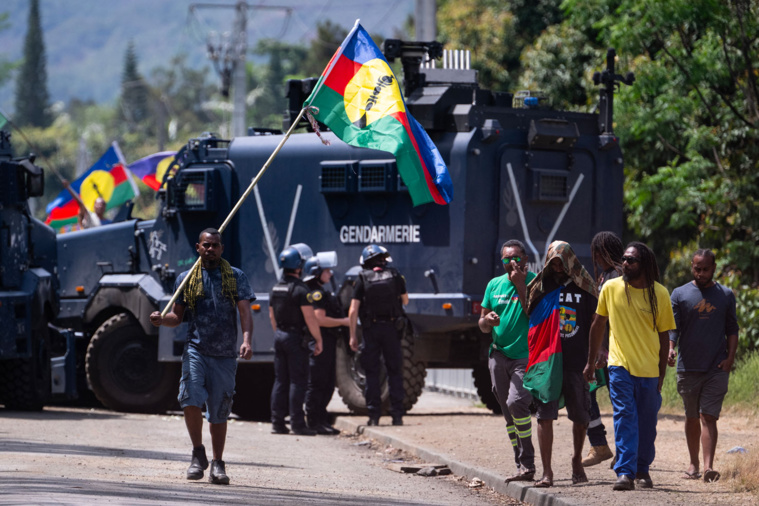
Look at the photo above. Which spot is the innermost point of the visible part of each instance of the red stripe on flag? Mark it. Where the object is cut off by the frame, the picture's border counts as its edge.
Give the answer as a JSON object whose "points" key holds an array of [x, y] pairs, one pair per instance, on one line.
{"points": [[151, 181], [543, 339], [68, 210], [401, 116], [119, 174], [341, 74]]}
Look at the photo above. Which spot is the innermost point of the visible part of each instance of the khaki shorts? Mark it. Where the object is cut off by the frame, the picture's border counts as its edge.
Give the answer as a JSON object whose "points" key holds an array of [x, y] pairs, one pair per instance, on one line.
{"points": [[703, 392], [576, 394]]}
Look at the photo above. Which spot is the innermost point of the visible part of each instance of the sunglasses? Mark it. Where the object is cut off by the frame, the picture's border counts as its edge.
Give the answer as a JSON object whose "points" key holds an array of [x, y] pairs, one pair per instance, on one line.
{"points": [[631, 260], [507, 260]]}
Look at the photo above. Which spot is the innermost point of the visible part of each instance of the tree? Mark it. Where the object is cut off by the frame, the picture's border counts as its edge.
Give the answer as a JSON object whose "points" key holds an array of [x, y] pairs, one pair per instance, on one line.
{"points": [[32, 99], [6, 67], [134, 106]]}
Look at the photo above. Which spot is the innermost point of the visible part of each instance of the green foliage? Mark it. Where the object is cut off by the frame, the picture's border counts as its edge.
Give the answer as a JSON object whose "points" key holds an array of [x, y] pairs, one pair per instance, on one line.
{"points": [[32, 99], [742, 389], [747, 308], [134, 101], [6, 66]]}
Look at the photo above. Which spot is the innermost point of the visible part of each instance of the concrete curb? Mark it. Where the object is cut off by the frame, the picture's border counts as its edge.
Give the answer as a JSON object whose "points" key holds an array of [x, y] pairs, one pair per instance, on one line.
{"points": [[516, 490]]}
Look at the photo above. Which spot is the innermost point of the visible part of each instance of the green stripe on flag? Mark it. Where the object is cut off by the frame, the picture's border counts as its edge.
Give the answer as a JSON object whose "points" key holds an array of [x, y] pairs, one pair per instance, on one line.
{"points": [[385, 134], [544, 379], [121, 194]]}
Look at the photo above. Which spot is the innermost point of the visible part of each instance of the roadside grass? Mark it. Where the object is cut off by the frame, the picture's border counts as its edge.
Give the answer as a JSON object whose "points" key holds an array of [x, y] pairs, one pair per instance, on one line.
{"points": [[742, 472]]}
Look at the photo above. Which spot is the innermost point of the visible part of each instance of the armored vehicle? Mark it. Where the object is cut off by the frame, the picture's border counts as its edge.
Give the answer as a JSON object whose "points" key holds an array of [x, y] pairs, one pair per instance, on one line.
{"points": [[36, 358], [520, 170]]}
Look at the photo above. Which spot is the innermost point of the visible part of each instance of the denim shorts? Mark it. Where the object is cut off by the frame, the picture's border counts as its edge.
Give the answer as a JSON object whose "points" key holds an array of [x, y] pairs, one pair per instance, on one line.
{"points": [[207, 380]]}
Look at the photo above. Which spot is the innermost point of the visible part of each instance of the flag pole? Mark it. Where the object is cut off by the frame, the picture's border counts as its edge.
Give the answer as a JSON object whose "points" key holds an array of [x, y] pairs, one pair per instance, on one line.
{"points": [[240, 201]]}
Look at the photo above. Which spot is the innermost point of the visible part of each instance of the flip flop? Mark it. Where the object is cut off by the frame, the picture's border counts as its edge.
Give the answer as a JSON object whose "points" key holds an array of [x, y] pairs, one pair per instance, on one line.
{"points": [[526, 476], [543, 483], [711, 475], [695, 475], [579, 478]]}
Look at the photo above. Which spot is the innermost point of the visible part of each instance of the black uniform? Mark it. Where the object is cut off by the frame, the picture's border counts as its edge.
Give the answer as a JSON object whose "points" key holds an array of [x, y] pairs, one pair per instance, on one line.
{"points": [[290, 351], [382, 316], [321, 380]]}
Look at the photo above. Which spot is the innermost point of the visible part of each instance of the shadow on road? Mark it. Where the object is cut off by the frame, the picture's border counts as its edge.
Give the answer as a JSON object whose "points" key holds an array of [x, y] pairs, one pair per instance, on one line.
{"points": [[92, 492]]}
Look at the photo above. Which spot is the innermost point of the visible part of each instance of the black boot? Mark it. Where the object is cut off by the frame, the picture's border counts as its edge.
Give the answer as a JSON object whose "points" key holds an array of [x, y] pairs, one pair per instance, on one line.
{"points": [[198, 464], [218, 474]]}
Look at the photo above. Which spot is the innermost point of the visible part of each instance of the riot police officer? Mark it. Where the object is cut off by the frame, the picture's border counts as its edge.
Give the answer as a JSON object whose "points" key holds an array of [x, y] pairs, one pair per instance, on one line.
{"points": [[378, 298], [292, 318], [317, 272]]}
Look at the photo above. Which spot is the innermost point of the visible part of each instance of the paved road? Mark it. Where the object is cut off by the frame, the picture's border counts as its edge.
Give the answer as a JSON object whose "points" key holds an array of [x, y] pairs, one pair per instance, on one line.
{"points": [[83, 456]]}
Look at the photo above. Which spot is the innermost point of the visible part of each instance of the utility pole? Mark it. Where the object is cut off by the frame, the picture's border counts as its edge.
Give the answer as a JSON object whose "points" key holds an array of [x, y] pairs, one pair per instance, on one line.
{"points": [[229, 55], [240, 88], [425, 20]]}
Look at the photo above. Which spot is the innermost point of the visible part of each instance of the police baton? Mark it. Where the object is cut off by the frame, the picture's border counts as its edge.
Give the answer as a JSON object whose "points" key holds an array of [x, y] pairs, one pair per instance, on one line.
{"points": [[240, 201]]}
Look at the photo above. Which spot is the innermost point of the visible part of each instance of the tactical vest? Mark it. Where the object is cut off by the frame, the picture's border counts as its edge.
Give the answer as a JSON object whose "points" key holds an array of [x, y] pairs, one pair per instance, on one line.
{"points": [[287, 312], [381, 300]]}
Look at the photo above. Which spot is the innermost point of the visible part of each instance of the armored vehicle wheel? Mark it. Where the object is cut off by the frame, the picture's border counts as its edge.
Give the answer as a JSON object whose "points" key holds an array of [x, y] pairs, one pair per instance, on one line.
{"points": [[253, 384], [484, 386], [350, 378], [25, 383], [123, 368]]}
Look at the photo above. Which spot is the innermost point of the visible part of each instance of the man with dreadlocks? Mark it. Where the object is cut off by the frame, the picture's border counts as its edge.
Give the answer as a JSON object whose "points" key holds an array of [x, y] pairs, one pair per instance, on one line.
{"points": [[638, 310], [606, 250], [214, 294], [561, 304]]}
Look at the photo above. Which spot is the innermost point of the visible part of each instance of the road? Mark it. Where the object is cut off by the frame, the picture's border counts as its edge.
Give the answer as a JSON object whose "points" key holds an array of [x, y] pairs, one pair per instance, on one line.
{"points": [[91, 456]]}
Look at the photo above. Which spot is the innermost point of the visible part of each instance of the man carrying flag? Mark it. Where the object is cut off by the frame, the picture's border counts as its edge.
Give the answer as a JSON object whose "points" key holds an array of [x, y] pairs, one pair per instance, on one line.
{"points": [[562, 302], [359, 99], [108, 179]]}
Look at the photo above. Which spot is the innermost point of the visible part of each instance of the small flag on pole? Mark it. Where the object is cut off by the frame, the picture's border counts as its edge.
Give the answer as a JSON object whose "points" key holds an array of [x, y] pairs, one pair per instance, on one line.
{"points": [[359, 99], [107, 178]]}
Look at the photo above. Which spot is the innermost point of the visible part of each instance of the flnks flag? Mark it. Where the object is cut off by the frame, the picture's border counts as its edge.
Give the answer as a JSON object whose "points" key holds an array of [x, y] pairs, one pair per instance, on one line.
{"points": [[151, 169], [359, 99], [545, 367], [108, 178]]}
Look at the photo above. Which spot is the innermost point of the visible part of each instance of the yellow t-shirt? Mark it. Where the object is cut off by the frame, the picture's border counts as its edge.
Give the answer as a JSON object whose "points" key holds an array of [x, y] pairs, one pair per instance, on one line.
{"points": [[633, 341]]}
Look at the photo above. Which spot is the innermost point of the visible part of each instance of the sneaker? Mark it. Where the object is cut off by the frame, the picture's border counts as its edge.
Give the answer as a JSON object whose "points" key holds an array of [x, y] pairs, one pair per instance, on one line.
{"points": [[279, 428], [218, 474], [643, 480], [397, 420], [303, 431], [198, 464], [373, 421], [596, 455], [624, 482]]}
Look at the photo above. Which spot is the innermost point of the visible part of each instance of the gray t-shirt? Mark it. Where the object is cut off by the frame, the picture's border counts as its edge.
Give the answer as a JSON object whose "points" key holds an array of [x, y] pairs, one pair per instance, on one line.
{"points": [[704, 320], [212, 326]]}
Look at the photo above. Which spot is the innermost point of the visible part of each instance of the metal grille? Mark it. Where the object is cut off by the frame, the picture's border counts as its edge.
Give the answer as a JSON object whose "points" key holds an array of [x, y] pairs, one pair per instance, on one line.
{"points": [[333, 179], [372, 178], [553, 187]]}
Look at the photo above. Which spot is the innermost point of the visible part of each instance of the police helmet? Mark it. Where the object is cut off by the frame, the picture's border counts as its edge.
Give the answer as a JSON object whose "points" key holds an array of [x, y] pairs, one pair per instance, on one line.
{"points": [[315, 265], [304, 250], [374, 251], [290, 258]]}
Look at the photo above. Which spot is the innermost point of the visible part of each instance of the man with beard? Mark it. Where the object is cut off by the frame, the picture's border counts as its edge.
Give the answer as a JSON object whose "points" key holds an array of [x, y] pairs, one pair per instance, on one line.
{"points": [[707, 331], [638, 310], [561, 305], [213, 296], [504, 316]]}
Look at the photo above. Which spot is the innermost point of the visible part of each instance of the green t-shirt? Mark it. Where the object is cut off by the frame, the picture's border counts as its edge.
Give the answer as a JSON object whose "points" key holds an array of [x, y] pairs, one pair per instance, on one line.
{"points": [[510, 337]]}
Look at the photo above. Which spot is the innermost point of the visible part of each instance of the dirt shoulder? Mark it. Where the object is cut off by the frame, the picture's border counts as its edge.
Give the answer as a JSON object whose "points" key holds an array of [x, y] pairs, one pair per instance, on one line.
{"points": [[476, 438]]}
